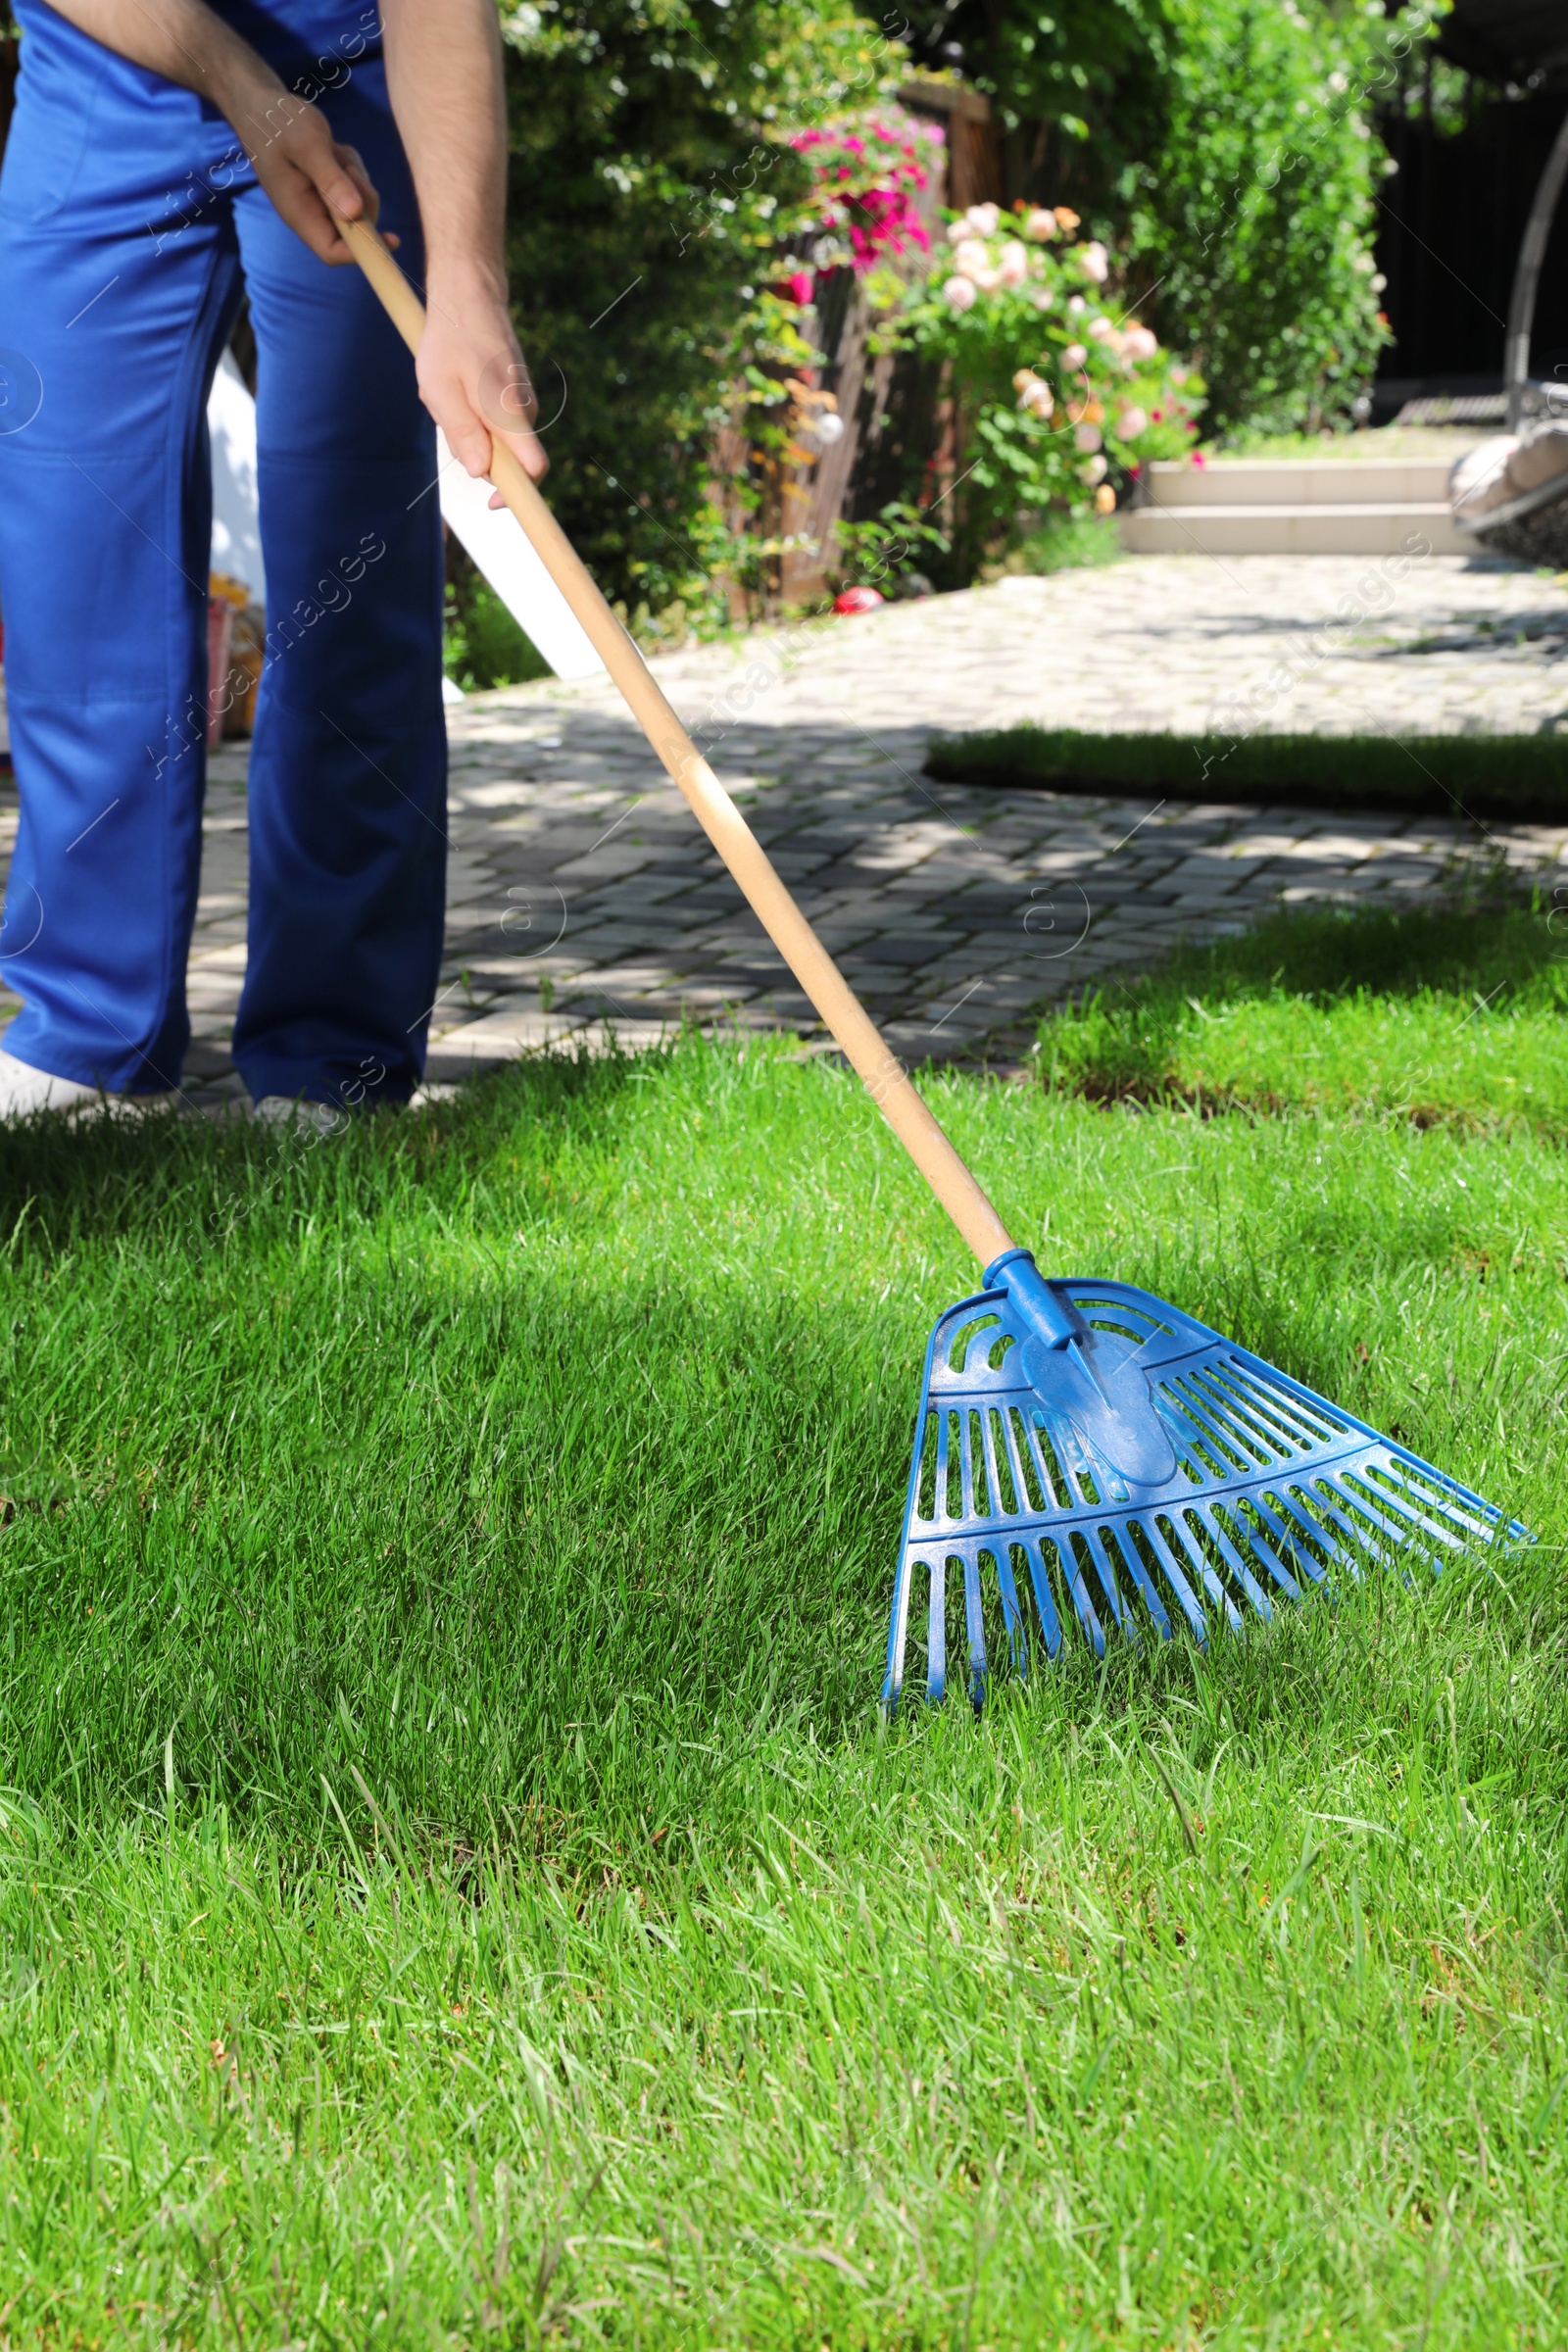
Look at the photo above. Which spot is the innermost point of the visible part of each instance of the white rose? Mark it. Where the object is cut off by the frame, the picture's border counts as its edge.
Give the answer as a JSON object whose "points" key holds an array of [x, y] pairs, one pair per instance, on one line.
{"points": [[1039, 225], [1132, 421], [1093, 470], [1100, 331], [957, 231], [1139, 343], [1013, 263], [1074, 356], [983, 219], [1076, 306], [958, 293], [1036, 401], [1093, 262], [972, 258], [1087, 437]]}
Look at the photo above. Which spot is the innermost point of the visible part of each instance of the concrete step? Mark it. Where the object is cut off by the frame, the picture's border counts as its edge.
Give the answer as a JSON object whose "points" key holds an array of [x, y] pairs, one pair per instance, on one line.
{"points": [[1301, 482], [1415, 527]]}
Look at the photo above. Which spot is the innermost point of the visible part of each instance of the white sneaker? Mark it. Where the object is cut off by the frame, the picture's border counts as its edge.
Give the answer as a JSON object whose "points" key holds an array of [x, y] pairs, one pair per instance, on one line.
{"points": [[24, 1090], [290, 1111]]}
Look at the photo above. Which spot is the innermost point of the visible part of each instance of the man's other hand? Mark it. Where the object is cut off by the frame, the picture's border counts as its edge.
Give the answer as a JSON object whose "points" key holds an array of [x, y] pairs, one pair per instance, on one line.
{"points": [[472, 375]]}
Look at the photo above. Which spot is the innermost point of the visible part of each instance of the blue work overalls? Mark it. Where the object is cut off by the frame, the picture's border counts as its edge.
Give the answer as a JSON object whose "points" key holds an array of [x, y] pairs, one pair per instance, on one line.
{"points": [[128, 214]]}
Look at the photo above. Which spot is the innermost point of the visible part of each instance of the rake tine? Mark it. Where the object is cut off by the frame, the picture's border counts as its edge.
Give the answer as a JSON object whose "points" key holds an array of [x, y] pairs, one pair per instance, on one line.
{"points": [[897, 1635], [943, 1463], [1104, 1568], [1213, 1526], [1175, 1576], [976, 1625], [1294, 1499], [1133, 1563], [1323, 1495], [1012, 1613], [988, 1449], [1242, 1531], [936, 1640], [1202, 1567], [1285, 1544], [968, 1501], [1020, 1484], [1081, 1602], [1044, 1599]]}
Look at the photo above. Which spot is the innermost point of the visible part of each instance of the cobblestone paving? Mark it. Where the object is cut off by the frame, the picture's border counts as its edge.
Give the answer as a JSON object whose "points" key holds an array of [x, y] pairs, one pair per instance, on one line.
{"points": [[582, 895]]}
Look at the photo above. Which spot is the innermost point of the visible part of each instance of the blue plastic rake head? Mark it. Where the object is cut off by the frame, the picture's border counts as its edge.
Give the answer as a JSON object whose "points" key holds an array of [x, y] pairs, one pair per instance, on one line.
{"points": [[1084, 1442]]}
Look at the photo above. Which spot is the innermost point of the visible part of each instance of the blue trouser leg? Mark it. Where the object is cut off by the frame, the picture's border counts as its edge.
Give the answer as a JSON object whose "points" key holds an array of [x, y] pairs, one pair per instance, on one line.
{"points": [[347, 771], [119, 272], [104, 521]]}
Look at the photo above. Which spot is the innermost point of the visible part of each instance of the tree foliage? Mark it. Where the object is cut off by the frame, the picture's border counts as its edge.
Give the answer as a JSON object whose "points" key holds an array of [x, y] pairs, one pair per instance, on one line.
{"points": [[652, 177]]}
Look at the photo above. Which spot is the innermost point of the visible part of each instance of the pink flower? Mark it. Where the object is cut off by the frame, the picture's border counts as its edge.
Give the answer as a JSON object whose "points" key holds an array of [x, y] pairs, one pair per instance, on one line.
{"points": [[1093, 262], [972, 259], [1100, 331], [958, 293], [1087, 437], [1013, 263], [1092, 471], [1074, 356], [1132, 421], [983, 219], [1141, 344], [1039, 225], [800, 286], [1198, 458], [857, 599]]}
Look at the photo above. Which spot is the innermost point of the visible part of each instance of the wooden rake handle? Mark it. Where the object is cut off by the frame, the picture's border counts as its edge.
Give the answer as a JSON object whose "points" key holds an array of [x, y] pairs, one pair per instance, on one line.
{"points": [[884, 1075]]}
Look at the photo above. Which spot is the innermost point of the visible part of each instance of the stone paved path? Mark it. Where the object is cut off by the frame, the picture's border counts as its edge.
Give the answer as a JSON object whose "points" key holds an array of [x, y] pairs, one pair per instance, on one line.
{"points": [[581, 893]]}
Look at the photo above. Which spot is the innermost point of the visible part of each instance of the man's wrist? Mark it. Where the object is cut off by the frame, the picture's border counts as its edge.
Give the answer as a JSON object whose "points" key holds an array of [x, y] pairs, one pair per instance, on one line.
{"points": [[461, 280], [250, 95]]}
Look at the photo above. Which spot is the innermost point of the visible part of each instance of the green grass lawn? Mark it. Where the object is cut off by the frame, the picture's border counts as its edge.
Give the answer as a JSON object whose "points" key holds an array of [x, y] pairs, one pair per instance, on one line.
{"points": [[455, 1887], [1512, 776]]}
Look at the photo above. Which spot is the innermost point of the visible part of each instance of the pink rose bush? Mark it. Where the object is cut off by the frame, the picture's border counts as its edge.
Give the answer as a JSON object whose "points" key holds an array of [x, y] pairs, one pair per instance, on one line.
{"points": [[868, 177], [1060, 392]]}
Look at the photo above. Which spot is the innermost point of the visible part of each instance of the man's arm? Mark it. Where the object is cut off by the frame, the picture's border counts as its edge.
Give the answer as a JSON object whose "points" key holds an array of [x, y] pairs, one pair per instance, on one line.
{"points": [[443, 70], [443, 61], [293, 154]]}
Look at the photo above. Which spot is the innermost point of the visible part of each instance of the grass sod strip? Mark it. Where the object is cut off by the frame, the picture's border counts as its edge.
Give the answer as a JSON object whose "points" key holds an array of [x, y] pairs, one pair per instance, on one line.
{"points": [[1407, 1016], [452, 1880], [1522, 778]]}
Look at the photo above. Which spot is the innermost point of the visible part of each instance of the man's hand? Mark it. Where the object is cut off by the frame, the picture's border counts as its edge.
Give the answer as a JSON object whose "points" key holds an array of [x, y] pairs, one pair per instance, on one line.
{"points": [[300, 167], [472, 375]]}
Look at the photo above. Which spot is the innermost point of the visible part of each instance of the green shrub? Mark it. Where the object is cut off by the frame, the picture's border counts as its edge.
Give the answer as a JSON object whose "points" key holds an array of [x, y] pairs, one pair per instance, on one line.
{"points": [[483, 645], [1226, 148], [1256, 213]]}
